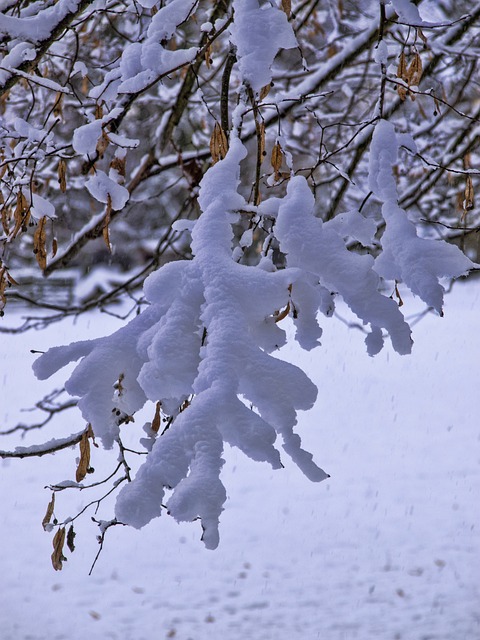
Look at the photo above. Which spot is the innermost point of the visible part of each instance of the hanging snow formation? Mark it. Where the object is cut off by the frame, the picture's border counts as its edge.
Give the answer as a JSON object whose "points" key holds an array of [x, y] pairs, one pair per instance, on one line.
{"points": [[203, 347]]}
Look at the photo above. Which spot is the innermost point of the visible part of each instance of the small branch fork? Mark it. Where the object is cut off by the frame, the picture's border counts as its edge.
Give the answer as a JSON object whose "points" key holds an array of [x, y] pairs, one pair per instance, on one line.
{"points": [[48, 406]]}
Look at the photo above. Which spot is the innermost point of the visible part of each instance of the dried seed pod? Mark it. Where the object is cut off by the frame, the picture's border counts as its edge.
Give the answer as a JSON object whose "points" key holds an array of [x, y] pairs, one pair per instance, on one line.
{"points": [[402, 74], [468, 202], [415, 70], [62, 175], [84, 463], [218, 144], [40, 242], [277, 159]]}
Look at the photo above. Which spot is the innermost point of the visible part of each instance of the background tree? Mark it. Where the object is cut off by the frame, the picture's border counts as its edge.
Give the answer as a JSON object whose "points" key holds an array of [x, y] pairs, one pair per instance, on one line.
{"points": [[275, 156]]}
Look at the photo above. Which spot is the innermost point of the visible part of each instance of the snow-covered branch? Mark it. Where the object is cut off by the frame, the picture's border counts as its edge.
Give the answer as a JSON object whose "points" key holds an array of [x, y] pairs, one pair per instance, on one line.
{"points": [[300, 150]]}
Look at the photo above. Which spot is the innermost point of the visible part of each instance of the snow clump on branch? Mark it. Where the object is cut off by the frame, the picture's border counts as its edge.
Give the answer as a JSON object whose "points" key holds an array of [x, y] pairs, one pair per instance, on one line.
{"points": [[202, 349]]}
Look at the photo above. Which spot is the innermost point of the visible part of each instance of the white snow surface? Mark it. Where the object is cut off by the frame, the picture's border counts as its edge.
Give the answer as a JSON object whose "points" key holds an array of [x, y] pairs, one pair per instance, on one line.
{"points": [[385, 549]]}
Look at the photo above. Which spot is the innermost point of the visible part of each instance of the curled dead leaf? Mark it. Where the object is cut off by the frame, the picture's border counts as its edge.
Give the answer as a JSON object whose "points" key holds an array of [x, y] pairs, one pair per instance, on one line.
{"points": [[40, 242], [283, 314], [71, 538], [49, 513], [57, 555]]}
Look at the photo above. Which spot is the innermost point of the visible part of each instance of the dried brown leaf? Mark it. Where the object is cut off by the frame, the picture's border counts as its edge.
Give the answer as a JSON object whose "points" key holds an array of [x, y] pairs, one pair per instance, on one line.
{"points": [[12, 280], [40, 242], [49, 512], [90, 434], [3, 102], [21, 214], [469, 195], [58, 106], [6, 215], [332, 50], [102, 144], [287, 7], [414, 71], [119, 165], [57, 555], [402, 74], [156, 419], [105, 230], [54, 247], [218, 144], [399, 297], [277, 159], [208, 56], [3, 286], [261, 133], [402, 67], [282, 314], [84, 462], [264, 91], [71, 538], [422, 36], [62, 175]]}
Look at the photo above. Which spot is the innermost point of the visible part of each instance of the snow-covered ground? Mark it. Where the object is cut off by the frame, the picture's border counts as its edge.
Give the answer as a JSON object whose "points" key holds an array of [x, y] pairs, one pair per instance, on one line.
{"points": [[387, 548]]}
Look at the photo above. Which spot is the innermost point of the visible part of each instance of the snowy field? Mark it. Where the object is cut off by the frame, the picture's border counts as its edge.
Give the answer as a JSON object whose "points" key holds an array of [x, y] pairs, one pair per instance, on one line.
{"points": [[388, 548]]}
